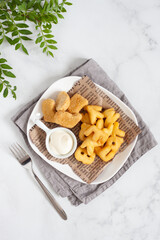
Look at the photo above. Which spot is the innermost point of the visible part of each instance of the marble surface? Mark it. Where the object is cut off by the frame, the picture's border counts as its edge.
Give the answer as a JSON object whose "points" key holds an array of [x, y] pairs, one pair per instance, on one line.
{"points": [[123, 37]]}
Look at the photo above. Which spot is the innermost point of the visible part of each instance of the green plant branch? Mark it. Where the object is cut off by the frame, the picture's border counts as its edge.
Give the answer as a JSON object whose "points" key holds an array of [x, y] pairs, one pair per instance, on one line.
{"points": [[14, 15]]}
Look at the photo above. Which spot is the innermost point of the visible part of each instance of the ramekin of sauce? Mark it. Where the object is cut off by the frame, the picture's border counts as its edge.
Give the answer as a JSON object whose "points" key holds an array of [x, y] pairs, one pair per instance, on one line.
{"points": [[60, 142]]}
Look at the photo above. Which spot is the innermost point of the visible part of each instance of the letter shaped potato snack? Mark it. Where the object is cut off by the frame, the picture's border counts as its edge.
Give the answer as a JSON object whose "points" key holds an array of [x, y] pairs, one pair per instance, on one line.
{"points": [[94, 113], [112, 145], [82, 156], [111, 116], [66, 119], [48, 110], [62, 101], [77, 103]]}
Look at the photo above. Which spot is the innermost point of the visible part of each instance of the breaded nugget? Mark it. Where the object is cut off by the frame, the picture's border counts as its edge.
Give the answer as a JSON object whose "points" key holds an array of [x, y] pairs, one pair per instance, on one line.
{"points": [[48, 109], [62, 101], [77, 103], [66, 119]]}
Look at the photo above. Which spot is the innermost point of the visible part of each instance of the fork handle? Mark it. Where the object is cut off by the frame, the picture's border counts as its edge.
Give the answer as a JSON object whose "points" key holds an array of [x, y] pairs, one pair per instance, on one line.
{"points": [[56, 205]]}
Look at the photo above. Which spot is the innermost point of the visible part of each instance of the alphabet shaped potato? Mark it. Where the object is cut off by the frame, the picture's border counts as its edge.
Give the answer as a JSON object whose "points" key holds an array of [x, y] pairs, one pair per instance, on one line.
{"points": [[66, 119], [100, 123], [90, 145], [48, 109], [112, 145], [77, 103], [111, 116], [62, 101], [85, 118], [84, 127], [94, 113], [82, 156]]}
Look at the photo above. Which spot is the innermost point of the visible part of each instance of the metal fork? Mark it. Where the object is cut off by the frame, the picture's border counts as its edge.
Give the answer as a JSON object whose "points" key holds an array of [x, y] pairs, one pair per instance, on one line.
{"points": [[25, 160]]}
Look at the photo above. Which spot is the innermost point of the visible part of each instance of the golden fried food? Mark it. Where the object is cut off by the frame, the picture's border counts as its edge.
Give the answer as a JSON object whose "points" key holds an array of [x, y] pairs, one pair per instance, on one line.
{"points": [[84, 127], [90, 145], [85, 118], [77, 103], [82, 156], [98, 135], [104, 153], [112, 145], [62, 101], [116, 131], [94, 113], [111, 116], [66, 119], [48, 109], [100, 123]]}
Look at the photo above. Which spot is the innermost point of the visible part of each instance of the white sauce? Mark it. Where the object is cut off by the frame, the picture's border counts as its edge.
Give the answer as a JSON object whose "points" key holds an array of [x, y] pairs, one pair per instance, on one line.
{"points": [[60, 142]]}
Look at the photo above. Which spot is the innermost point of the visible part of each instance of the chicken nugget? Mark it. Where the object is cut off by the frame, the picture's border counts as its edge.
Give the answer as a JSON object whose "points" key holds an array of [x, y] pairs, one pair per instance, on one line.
{"points": [[48, 109], [62, 101], [77, 103], [66, 119]]}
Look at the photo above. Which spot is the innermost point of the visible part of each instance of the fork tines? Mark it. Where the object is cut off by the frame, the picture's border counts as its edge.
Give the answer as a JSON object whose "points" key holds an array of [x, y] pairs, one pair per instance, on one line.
{"points": [[19, 153]]}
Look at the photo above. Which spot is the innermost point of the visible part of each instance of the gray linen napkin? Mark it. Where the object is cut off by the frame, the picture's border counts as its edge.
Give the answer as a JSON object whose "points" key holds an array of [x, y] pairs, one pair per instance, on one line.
{"points": [[65, 186]]}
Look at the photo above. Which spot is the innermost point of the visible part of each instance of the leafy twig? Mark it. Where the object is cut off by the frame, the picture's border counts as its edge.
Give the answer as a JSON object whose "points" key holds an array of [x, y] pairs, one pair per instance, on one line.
{"points": [[4, 84], [14, 15]]}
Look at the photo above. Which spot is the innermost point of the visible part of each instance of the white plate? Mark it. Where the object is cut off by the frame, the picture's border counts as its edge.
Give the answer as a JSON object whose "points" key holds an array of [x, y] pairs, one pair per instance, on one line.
{"points": [[65, 84]]}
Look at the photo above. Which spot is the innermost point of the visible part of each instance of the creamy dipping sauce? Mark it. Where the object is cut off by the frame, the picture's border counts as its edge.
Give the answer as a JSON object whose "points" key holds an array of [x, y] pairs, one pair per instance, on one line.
{"points": [[60, 142]]}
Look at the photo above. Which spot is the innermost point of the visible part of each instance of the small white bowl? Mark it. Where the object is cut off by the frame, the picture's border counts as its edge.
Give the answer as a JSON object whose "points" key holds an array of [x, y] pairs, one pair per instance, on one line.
{"points": [[48, 134]]}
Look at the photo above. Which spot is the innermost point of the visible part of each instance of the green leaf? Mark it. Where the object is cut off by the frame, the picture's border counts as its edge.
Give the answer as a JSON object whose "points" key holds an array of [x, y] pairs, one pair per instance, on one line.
{"points": [[68, 3], [24, 49], [5, 93], [6, 82], [22, 7], [51, 41], [22, 25], [63, 9], [19, 18], [15, 33], [42, 44], [2, 60], [9, 74], [1, 40], [18, 46], [15, 88], [7, 23], [50, 53], [47, 31], [39, 39], [54, 19], [44, 49], [31, 17], [49, 36], [52, 47], [6, 66], [2, 17], [25, 32], [26, 38], [1, 87], [60, 15], [8, 40], [14, 95], [16, 40]]}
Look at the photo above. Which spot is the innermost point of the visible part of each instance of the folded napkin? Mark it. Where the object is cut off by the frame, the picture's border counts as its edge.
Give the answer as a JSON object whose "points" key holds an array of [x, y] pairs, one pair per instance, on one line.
{"points": [[65, 186]]}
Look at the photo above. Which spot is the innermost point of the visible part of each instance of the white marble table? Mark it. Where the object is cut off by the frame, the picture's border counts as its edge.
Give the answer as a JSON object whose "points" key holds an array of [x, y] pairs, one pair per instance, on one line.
{"points": [[123, 36]]}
